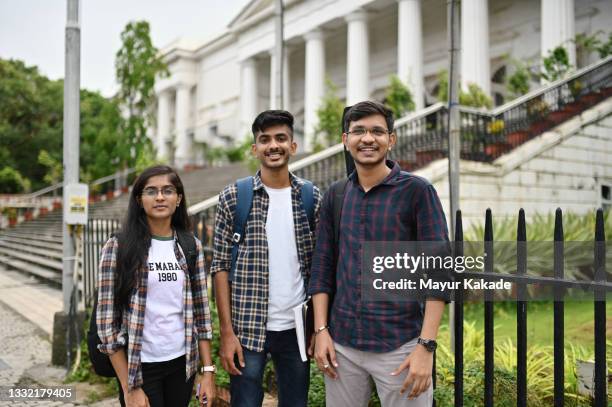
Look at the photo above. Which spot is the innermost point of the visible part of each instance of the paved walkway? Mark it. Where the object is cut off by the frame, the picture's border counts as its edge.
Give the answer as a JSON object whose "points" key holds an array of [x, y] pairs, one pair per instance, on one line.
{"points": [[26, 327], [26, 323]]}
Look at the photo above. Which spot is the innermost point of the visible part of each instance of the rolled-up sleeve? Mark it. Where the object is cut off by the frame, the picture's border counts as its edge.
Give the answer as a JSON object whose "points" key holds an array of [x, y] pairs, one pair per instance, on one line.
{"points": [[203, 322], [322, 272], [112, 332], [222, 243]]}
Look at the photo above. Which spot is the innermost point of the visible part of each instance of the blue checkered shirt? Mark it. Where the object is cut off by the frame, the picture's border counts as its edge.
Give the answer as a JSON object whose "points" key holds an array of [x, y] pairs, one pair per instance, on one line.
{"points": [[249, 288]]}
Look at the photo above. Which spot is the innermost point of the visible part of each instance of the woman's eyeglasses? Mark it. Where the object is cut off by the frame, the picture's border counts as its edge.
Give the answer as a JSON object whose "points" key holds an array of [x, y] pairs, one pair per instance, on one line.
{"points": [[152, 192]]}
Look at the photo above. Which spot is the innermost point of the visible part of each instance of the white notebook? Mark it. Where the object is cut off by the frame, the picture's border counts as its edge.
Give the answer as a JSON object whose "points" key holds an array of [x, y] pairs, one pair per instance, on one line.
{"points": [[299, 315]]}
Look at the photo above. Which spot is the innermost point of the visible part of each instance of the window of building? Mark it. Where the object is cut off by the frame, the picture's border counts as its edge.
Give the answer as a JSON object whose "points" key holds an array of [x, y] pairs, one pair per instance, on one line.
{"points": [[498, 86]]}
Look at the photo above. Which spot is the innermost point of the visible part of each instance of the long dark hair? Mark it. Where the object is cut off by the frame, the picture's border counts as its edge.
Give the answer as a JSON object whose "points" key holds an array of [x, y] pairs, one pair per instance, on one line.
{"points": [[134, 240]]}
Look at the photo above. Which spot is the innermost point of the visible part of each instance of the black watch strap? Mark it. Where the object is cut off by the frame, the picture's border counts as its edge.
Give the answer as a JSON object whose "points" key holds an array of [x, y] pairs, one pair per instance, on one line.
{"points": [[429, 344]]}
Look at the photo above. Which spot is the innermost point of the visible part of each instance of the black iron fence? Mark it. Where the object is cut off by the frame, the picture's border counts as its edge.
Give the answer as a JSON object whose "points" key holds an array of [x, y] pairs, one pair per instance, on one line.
{"points": [[599, 287], [97, 233]]}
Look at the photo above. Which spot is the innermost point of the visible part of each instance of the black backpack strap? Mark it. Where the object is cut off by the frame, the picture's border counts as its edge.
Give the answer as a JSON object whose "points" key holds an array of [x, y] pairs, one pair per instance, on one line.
{"points": [[337, 189], [244, 200], [308, 202], [187, 242]]}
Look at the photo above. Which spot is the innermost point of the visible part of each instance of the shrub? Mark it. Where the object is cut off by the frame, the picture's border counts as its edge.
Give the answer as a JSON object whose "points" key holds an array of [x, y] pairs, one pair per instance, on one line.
{"points": [[517, 83], [556, 65], [474, 97], [539, 372]]}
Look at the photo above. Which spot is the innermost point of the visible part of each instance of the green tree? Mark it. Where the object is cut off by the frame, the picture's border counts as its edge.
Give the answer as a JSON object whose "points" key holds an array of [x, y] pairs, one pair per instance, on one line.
{"points": [[137, 65], [104, 144], [329, 129], [398, 97], [54, 167], [12, 182], [474, 97], [556, 64], [31, 111]]}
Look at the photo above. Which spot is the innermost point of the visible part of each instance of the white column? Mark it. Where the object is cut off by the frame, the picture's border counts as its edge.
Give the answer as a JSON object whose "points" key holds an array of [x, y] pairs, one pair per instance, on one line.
{"points": [[410, 49], [286, 80], [558, 27], [248, 96], [184, 150], [314, 84], [358, 58], [273, 82], [475, 60], [163, 124]]}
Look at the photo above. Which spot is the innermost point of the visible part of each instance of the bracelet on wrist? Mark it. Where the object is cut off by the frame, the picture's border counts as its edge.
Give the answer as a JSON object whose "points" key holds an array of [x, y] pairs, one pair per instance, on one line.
{"points": [[321, 329]]}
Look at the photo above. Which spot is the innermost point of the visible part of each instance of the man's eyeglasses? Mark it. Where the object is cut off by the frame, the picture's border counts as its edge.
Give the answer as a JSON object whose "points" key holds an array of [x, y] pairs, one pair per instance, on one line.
{"points": [[152, 192], [376, 132]]}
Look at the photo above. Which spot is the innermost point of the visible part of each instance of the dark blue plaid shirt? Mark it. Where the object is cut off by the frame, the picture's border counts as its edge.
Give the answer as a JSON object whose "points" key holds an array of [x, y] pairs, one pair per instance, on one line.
{"points": [[403, 207]]}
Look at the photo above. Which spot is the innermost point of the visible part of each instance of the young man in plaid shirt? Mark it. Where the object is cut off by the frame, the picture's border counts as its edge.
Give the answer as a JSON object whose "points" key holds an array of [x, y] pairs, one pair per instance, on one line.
{"points": [[271, 273], [390, 342]]}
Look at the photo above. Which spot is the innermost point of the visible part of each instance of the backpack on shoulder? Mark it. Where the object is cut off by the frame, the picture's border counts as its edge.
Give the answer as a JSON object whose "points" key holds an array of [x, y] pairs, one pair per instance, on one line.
{"points": [[100, 361]]}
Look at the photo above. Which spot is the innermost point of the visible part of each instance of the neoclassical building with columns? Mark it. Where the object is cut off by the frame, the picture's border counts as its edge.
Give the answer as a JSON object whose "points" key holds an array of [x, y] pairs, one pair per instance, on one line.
{"points": [[216, 88]]}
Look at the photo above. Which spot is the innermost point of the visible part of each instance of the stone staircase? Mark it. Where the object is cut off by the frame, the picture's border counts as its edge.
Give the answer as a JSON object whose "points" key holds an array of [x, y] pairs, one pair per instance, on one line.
{"points": [[35, 247]]}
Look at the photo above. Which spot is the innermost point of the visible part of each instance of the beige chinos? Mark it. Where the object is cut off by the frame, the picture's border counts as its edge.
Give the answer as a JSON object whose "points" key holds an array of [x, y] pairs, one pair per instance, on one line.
{"points": [[352, 388]]}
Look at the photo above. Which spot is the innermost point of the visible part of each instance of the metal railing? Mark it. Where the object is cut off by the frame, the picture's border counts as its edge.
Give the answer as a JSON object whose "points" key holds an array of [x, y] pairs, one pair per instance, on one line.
{"points": [[488, 135], [599, 287], [95, 186], [97, 233]]}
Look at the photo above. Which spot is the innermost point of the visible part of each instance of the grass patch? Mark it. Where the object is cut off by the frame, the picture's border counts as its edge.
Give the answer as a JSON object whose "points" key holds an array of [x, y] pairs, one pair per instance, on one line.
{"points": [[579, 322]]}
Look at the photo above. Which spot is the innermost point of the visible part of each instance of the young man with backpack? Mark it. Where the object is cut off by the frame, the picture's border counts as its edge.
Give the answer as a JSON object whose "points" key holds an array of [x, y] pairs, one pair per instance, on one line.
{"points": [[357, 340], [264, 237]]}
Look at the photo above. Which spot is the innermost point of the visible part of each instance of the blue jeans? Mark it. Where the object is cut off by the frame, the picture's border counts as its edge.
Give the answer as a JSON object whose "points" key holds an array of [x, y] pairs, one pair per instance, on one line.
{"points": [[292, 375]]}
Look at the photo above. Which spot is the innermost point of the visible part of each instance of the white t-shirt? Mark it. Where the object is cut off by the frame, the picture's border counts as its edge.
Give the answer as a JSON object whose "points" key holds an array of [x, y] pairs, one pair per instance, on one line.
{"points": [[163, 335], [286, 284]]}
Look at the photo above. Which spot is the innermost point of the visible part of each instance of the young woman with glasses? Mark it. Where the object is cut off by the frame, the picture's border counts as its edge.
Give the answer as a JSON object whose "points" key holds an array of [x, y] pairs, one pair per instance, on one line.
{"points": [[153, 316]]}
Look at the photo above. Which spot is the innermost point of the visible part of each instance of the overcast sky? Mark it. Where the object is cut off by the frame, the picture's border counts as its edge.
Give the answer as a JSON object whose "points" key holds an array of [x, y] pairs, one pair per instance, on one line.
{"points": [[33, 31]]}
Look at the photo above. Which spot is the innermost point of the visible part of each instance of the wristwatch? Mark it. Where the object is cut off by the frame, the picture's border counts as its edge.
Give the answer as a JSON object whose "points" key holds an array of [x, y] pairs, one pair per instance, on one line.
{"points": [[429, 344], [204, 369]]}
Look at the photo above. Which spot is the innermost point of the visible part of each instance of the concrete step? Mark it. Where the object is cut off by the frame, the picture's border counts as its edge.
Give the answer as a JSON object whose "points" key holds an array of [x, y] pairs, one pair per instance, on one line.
{"points": [[50, 231], [39, 237], [37, 251], [46, 224], [52, 277], [26, 257], [32, 242]]}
